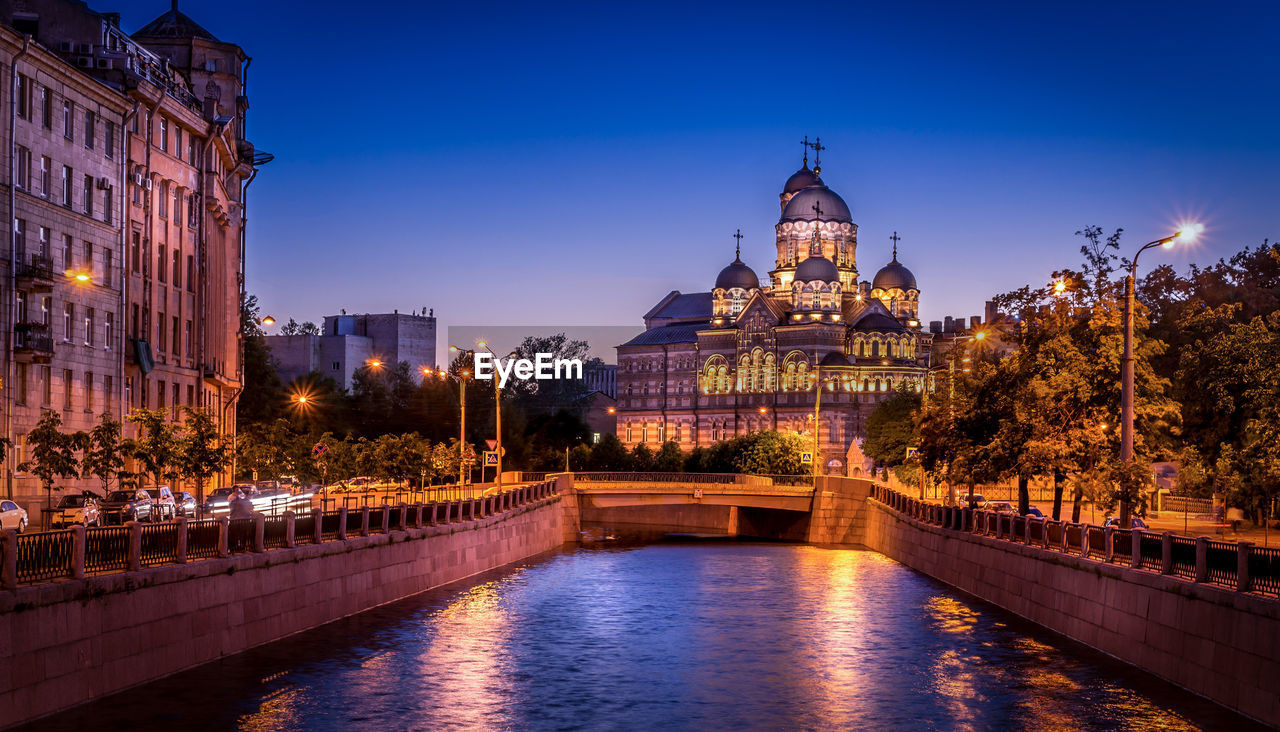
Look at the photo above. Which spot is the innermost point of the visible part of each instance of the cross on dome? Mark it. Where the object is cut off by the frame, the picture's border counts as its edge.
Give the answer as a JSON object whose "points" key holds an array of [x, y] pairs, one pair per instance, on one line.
{"points": [[737, 247], [895, 238]]}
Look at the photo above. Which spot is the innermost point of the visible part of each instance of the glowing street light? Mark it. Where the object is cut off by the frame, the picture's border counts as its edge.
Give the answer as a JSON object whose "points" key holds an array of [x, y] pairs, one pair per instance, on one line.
{"points": [[1059, 287], [268, 320], [1185, 234]]}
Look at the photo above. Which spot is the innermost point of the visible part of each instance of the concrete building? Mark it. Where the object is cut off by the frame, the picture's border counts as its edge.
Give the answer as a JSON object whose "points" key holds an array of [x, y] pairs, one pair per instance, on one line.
{"points": [[157, 119], [349, 342]]}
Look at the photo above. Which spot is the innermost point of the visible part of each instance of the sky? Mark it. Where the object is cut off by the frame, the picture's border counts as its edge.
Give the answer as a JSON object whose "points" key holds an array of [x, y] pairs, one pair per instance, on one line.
{"points": [[560, 163]]}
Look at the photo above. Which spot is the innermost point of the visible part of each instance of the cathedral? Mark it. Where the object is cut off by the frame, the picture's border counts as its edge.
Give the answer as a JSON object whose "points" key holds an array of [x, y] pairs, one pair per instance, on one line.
{"points": [[748, 356]]}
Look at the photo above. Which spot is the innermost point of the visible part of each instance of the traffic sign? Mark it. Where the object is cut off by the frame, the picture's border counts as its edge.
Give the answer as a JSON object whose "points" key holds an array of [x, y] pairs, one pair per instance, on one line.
{"points": [[806, 458], [493, 444], [913, 453], [319, 449], [490, 458]]}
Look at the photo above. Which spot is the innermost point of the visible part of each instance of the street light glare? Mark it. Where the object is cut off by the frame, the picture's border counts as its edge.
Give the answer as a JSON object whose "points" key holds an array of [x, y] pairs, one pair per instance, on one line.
{"points": [[482, 344], [980, 335], [1060, 286], [268, 320], [1187, 233]]}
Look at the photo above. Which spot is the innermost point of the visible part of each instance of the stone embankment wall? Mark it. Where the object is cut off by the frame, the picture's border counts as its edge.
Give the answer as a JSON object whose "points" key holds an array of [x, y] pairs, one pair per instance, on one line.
{"points": [[1213, 641], [65, 643]]}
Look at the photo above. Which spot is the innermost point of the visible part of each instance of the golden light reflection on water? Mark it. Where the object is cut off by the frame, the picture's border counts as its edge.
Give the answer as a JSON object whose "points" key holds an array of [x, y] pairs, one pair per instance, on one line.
{"points": [[277, 710]]}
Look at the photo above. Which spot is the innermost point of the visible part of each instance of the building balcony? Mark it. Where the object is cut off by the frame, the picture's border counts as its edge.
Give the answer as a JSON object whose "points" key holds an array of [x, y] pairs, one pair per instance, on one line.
{"points": [[32, 343], [36, 274]]}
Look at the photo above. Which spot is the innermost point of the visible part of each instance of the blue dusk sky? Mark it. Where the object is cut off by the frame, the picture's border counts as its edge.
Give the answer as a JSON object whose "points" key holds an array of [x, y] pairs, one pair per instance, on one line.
{"points": [[552, 163]]}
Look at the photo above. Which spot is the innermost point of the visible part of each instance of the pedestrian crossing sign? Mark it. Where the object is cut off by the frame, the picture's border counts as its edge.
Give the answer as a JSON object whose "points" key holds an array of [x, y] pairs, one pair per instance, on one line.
{"points": [[806, 458], [490, 458]]}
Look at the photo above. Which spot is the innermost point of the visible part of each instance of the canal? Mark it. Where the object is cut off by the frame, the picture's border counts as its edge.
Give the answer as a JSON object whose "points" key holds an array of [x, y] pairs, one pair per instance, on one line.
{"points": [[676, 634]]}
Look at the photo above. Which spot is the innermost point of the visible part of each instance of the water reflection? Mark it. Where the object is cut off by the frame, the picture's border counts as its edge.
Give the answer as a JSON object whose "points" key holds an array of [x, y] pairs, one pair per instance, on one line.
{"points": [[672, 635]]}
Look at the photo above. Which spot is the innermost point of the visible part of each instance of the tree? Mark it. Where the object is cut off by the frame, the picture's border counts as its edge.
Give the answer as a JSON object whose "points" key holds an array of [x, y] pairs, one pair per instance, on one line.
{"points": [[53, 453], [104, 453], [156, 447], [891, 429], [293, 328], [264, 450], [669, 458], [770, 452], [263, 398], [200, 452]]}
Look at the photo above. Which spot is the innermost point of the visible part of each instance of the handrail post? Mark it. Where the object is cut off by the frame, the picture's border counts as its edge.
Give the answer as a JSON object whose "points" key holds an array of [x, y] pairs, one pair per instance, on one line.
{"points": [[386, 519], [290, 527], [1136, 551], [1202, 559], [135, 546], [364, 520], [342, 523], [224, 536], [1166, 553], [999, 527], [1084, 540], [1108, 541], [473, 509], [9, 573], [417, 515], [1244, 582], [434, 505], [77, 552], [259, 532], [317, 515], [180, 554]]}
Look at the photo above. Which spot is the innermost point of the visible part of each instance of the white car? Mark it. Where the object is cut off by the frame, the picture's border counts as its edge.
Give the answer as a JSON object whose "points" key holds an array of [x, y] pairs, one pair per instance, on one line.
{"points": [[12, 516]]}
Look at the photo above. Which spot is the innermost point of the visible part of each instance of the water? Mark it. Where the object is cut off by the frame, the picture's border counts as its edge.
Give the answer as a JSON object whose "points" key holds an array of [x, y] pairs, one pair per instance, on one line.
{"points": [[680, 635]]}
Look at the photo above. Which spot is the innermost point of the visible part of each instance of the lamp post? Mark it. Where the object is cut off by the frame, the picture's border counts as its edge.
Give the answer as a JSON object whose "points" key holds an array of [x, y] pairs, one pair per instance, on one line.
{"points": [[1186, 234], [462, 429], [497, 410], [818, 381]]}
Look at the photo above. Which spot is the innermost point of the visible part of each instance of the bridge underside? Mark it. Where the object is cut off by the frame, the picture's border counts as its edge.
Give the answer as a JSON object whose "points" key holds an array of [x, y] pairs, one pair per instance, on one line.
{"points": [[649, 516]]}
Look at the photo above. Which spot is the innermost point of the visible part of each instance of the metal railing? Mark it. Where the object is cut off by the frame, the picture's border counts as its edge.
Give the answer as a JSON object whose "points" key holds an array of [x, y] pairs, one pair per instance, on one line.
{"points": [[1239, 566], [76, 552]]}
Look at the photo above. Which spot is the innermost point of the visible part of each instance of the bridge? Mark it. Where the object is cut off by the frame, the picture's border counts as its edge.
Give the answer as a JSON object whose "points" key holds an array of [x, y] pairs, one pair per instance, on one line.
{"points": [[763, 506]]}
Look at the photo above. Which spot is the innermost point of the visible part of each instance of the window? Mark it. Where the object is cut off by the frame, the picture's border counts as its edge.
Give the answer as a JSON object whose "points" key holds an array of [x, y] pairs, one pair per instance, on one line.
{"points": [[128, 392], [67, 376], [89, 317], [88, 391], [137, 251], [20, 233], [109, 331], [46, 107], [192, 211], [187, 338], [134, 329], [160, 395], [177, 271], [191, 273], [24, 168], [191, 395], [108, 393], [68, 253], [46, 388], [68, 320], [164, 134], [108, 203], [177, 205], [107, 265], [177, 150], [88, 195], [191, 149], [164, 200], [109, 139], [176, 342], [88, 128], [162, 264], [177, 394], [21, 306], [44, 244], [87, 266], [68, 124], [160, 336], [24, 97], [46, 176], [67, 176], [46, 311], [23, 378]]}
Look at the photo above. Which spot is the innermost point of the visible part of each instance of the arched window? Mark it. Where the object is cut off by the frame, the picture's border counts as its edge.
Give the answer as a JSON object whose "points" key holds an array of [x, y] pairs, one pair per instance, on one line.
{"points": [[770, 373]]}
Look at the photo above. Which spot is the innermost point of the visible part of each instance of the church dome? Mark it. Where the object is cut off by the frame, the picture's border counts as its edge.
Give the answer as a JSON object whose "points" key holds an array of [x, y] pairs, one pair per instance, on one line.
{"points": [[817, 269], [894, 276], [739, 275], [800, 207], [801, 179]]}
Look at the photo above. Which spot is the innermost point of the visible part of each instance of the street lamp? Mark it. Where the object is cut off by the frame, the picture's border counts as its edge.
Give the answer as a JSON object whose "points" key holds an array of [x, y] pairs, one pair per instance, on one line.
{"points": [[497, 410], [1186, 234], [462, 430], [817, 401]]}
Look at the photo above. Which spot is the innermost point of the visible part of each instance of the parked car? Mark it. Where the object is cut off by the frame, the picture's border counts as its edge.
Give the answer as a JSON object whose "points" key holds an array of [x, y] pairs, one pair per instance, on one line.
{"points": [[1035, 512], [1000, 507], [126, 505], [185, 503], [80, 509], [12, 517], [979, 500], [218, 500], [164, 507], [1135, 521]]}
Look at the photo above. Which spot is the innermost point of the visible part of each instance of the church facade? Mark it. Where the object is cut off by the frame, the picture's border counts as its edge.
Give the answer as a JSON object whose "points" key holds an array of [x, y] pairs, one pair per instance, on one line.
{"points": [[749, 356]]}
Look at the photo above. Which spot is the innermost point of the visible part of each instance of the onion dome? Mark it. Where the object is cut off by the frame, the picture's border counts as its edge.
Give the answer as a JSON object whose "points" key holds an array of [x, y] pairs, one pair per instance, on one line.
{"points": [[817, 268], [801, 205], [801, 179], [894, 276], [738, 275], [835, 358]]}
